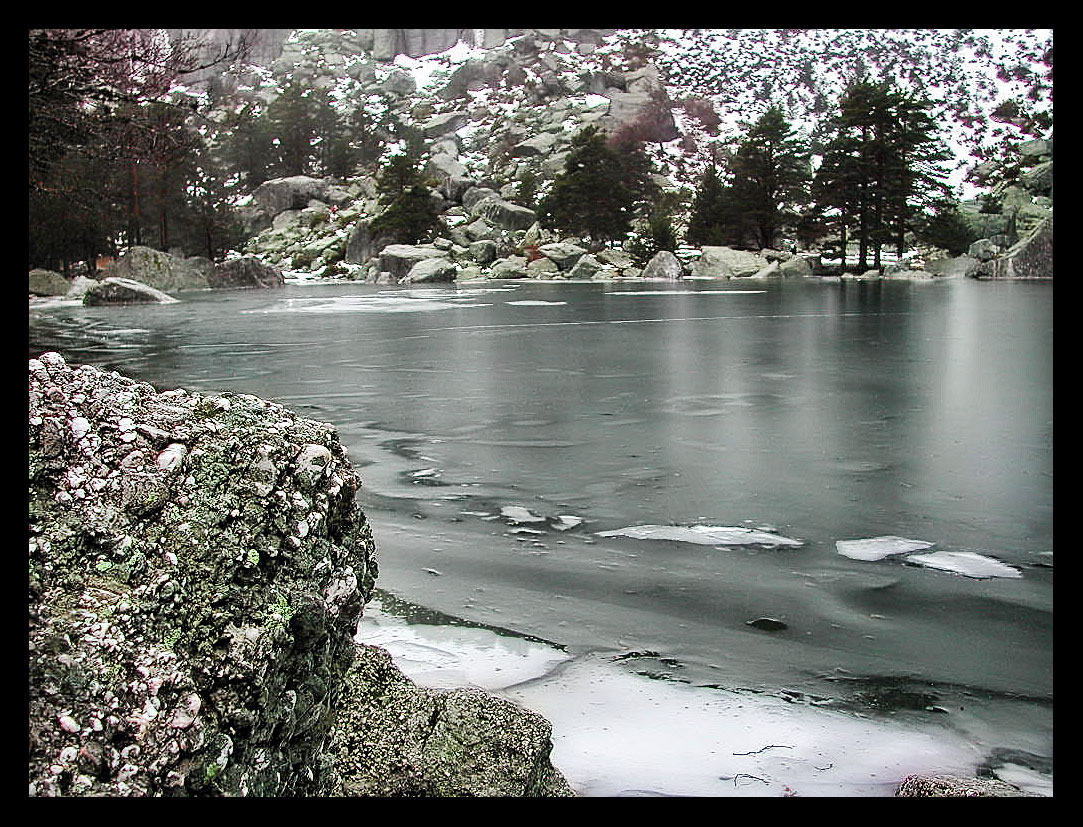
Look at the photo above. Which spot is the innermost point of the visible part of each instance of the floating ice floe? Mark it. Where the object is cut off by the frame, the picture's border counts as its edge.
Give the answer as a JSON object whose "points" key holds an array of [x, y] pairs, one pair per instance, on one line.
{"points": [[534, 303], [966, 563], [518, 514], [708, 535], [877, 548]]}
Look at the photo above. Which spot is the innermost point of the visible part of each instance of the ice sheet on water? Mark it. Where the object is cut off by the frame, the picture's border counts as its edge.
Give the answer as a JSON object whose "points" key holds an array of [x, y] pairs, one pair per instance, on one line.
{"points": [[684, 292], [563, 522], [616, 734], [534, 303], [518, 514], [877, 548], [967, 563], [709, 535]]}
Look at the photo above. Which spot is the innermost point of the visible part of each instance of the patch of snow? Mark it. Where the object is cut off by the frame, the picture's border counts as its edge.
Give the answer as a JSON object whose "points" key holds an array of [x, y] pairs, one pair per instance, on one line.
{"points": [[616, 734]]}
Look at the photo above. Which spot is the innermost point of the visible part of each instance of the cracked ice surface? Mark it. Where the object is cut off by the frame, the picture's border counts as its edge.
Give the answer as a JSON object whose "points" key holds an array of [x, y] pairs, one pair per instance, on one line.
{"points": [[877, 548], [710, 535], [966, 563]]}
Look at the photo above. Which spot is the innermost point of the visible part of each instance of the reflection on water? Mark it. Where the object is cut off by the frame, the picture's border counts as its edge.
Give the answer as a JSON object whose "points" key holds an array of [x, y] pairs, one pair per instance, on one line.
{"points": [[823, 412]]}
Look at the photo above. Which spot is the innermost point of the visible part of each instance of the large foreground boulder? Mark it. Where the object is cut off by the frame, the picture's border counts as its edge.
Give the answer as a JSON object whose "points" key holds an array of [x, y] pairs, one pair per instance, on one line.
{"points": [[197, 567]]}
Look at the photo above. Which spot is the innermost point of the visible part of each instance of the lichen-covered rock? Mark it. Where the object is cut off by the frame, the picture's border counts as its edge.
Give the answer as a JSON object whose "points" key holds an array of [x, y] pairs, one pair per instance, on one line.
{"points": [[393, 738], [197, 566], [950, 786]]}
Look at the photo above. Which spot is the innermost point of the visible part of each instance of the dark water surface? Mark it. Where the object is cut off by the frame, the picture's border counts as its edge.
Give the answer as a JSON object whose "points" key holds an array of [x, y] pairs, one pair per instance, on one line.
{"points": [[816, 411]]}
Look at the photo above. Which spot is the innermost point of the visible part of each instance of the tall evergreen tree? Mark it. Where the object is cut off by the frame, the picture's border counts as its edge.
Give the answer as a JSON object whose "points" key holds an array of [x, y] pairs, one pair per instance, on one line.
{"points": [[599, 189], [881, 168], [409, 214], [770, 177], [292, 122], [709, 219]]}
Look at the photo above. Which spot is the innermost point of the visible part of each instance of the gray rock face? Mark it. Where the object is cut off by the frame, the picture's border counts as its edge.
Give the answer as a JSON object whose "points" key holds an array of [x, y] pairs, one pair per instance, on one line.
{"points": [[431, 270], [399, 259], [663, 265], [1031, 258], [246, 271], [727, 263], [503, 214], [292, 193], [48, 283], [562, 253], [115, 290], [159, 270], [197, 567]]}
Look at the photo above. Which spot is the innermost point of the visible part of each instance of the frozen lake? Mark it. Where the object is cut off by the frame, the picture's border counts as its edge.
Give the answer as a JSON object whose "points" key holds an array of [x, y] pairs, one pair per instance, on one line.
{"points": [[831, 495]]}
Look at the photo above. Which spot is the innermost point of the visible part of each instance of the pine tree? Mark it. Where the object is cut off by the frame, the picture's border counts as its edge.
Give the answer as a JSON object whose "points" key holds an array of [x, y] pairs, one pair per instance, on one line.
{"points": [[881, 168], [599, 189], [770, 177], [291, 119], [709, 220], [409, 214]]}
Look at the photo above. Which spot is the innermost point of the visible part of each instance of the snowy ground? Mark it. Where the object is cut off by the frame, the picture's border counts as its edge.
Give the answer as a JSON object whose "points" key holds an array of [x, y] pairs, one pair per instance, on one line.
{"points": [[621, 734]]}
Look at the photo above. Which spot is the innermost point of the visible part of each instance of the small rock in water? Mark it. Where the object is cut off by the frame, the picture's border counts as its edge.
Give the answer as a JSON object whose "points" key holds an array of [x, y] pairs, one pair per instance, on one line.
{"points": [[767, 624], [563, 522], [877, 548]]}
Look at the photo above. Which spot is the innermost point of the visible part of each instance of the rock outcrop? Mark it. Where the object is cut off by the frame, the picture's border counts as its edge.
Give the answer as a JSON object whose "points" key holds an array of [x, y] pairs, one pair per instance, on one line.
{"points": [[198, 564], [459, 743], [48, 283], [116, 290], [950, 786], [727, 263], [162, 271], [1030, 258], [246, 271]]}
